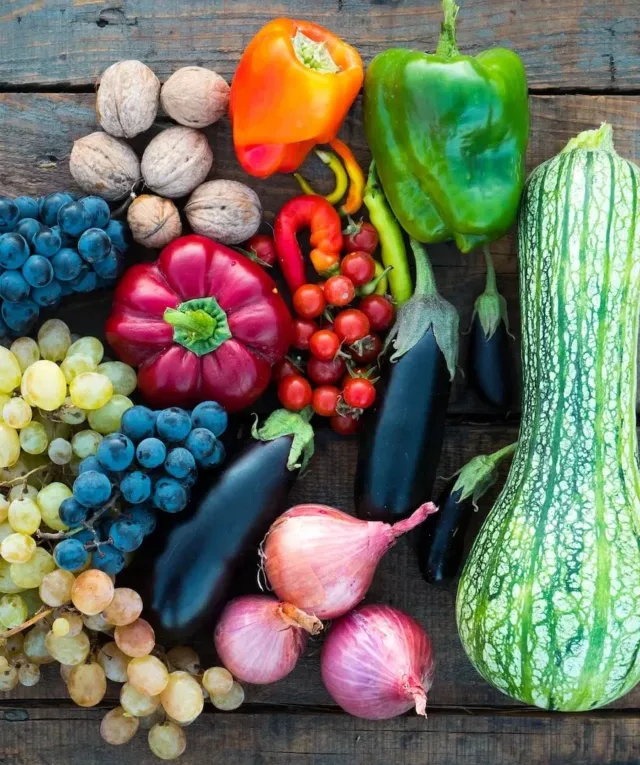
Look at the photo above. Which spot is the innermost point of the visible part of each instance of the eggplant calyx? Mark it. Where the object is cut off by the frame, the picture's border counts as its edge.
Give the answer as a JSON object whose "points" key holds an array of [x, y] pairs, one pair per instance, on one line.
{"points": [[491, 307], [284, 423], [479, 474], [427, 309]]}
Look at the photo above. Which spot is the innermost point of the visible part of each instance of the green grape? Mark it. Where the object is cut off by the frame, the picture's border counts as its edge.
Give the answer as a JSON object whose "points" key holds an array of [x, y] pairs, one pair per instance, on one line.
{"points": [[17, 548], [217, 681], [9, 446], [7, 585], [87, 346], [33, 438], [31, 573], [4, 508], [16, 412], [75, 365], [33, 600], [10, 372], [5, 531], [4, 397], [53, 428], [107, 419], [136, 703], [90, 390], [55, 588], [26, 350], [60, 451], [23, 490], [167, 740], [24, 516], [49, 500], [182, 697], [85, 443], [70, 413], [118, 727], [8, 679], [54, 340], [28, 675], [114, 662], [43, 385], [231, 700], [13, 611], [122, 376], [34, 646], [68, 650], [87, 684]]}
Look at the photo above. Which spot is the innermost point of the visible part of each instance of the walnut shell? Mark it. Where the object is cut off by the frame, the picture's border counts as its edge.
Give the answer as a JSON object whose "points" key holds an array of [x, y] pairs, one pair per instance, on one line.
{"points": [[154, 221], [103, 165], [195, 96], [128, 99], [176, 161], [226, 211]]}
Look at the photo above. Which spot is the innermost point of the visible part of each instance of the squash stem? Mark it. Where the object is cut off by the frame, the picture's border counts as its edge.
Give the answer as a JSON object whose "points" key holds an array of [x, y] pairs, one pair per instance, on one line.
{"points": [[425, 279], [447, 45]]}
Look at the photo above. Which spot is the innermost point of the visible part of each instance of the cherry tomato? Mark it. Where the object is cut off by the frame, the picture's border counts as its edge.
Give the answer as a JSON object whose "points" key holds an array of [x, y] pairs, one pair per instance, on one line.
{"points": [[358, 266], [345, 424], [309, 301], [326, 372], [356, 372], [379, 311], [359, 393], [351, 325], [324, 344], [264, 249], [339, 291], [366, 350], [362, 237], [303, 329], [294, 392], [325, 400], [282, 369]]}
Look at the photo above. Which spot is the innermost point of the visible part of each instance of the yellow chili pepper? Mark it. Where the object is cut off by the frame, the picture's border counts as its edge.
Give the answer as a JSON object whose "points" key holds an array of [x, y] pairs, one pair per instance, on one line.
{"points": [[356, 188], [342, 180]]}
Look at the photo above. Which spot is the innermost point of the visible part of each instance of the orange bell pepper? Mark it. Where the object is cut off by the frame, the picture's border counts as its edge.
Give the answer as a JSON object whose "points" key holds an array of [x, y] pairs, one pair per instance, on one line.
{"points": [[293, 88]]}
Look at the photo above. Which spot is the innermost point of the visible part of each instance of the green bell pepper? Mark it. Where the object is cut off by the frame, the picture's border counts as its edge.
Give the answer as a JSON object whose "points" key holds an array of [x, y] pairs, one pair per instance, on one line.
{"points": [[448, 134]]}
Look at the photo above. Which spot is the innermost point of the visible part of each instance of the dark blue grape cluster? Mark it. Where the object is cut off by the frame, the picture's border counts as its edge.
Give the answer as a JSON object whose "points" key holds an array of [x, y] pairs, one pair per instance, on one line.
{"points": [[51, 247], [150, 465]]}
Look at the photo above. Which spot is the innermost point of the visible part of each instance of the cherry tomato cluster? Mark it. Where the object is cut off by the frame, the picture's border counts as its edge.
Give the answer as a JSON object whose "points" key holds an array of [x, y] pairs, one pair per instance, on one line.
{"points": [[338, 344]]}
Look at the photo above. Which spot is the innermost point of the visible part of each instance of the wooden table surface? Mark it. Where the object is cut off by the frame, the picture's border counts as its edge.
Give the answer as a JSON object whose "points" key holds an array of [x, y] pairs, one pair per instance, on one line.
{"points": [[583, 63]]}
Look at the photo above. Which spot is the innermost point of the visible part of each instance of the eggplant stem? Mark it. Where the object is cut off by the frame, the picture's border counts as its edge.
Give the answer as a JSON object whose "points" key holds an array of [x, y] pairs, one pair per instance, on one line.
{"points": [[490, 285], [425, 278]]}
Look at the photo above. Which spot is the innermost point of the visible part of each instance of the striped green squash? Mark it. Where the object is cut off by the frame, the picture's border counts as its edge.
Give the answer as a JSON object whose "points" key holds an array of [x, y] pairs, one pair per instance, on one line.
{"points": [[548, 605]]}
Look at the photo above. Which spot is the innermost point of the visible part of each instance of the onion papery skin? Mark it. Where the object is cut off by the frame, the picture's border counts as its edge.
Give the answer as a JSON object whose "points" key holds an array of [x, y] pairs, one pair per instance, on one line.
{"points": [[377, 663], [323, 560], [260, 639]]}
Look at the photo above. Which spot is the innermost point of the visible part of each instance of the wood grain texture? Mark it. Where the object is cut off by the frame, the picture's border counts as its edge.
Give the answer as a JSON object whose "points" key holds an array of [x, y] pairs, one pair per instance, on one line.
{"points": [[33, 736], [582, 44]]}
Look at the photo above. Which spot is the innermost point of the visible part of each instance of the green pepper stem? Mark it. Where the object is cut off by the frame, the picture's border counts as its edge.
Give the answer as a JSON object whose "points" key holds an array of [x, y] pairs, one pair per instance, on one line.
{"points": [[447, 45], [425, 279], [491, 286], [198, 323]]}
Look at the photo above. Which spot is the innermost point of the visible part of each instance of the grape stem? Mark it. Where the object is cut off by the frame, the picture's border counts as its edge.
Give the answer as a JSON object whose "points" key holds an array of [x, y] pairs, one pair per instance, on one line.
{"points": [[88, 524], [23, 478], [25, 625]]}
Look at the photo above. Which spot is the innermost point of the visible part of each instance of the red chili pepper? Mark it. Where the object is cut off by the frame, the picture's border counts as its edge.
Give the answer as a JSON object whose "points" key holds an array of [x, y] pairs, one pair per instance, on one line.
{"points": [[202, 322], [326, 237]]}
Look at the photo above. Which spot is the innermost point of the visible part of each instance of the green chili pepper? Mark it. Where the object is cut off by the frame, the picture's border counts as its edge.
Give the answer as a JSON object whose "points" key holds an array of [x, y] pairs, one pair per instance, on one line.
{"points": [[341, 178], [394, 253]]}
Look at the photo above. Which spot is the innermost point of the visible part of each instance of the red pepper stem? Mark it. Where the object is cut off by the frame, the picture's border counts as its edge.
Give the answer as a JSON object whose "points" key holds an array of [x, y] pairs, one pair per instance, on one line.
{"points": [[200, 325], [197, 323]]}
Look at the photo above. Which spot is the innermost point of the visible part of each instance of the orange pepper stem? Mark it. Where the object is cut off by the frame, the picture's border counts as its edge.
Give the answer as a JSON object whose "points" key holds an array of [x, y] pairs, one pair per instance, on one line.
{"points": [[356, 188], [341, 178]]}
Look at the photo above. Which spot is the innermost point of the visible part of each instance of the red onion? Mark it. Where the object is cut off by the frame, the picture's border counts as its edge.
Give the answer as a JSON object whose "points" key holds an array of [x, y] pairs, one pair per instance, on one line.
{"points": [[377, 663], [259, 639], [323, 560]]}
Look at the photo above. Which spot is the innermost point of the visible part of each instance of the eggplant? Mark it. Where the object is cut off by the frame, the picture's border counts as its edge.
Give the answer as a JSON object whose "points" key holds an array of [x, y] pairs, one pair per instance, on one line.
{"points": [[193, 573], [442, 537], [402, 433], [490, 365]]}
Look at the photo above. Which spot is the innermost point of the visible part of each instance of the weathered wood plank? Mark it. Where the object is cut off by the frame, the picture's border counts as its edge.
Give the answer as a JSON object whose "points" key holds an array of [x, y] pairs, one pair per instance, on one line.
{"points": [[585, 44], [70, 737]]}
